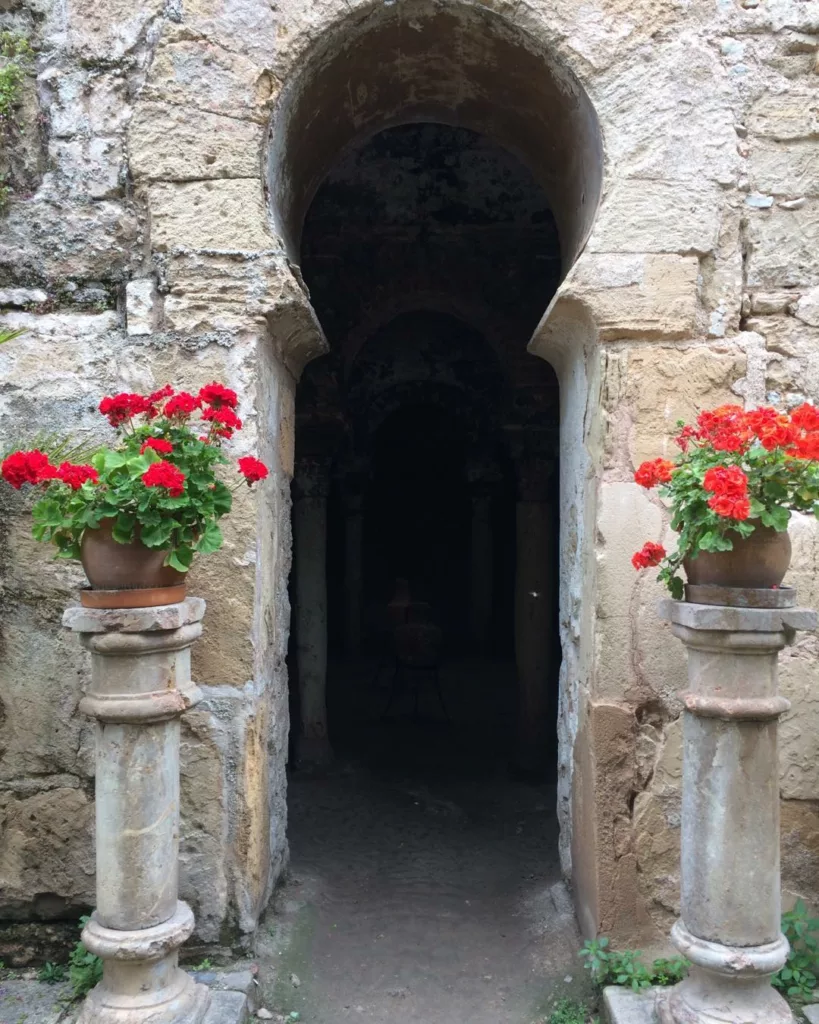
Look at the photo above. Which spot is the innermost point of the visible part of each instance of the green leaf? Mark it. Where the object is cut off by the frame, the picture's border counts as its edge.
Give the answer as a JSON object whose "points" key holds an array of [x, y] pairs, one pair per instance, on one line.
{"points": [[211, 539], [159, 534], [777, 517], [222, 499], [712, 540], [123, 530], [180, 559], [113, 460]]}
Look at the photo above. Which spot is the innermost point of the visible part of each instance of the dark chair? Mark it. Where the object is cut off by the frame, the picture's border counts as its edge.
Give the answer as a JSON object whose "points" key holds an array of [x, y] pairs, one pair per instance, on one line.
{"points": [[417, 658]]}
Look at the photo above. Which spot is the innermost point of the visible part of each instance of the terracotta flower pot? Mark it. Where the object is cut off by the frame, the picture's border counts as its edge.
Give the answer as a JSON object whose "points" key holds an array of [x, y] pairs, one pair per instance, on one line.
{"points": [[126, 568], [759, 561]]}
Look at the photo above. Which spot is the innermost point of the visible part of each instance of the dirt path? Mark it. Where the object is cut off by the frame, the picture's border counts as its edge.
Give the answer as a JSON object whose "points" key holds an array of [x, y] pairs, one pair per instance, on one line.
{"points": [[413, 901]]}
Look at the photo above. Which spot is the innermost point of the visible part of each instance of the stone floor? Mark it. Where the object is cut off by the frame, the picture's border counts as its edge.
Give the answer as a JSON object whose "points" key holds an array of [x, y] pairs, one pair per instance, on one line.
{"points": [[425, 885]]}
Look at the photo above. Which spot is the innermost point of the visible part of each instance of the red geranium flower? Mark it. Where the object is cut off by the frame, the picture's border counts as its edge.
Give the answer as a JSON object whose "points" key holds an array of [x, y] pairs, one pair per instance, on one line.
{"points": [[805, 417], [218, 395], [76, 475], [774, 429], [224, 421], [252, 469], [649, 474], [725, 428], [157, 444], [122, 407], [182, 405], [726, 480], [157, 396], [649, 555], [163, 474], [730, 506], [685, 436], [806, 447], [27, 468]]}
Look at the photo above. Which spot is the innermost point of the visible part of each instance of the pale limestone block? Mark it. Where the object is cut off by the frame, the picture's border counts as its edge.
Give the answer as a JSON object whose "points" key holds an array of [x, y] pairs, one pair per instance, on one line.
{"points": [[785, 168], [172, 143], [654, 130], [789, 114], [658, 216], [110, 29], [89, 167], [143, 306], [664, 384], [225, 215], [251, 29], [198, 73], [86, 102], [785, 251], [807, 308], [22, 296]]}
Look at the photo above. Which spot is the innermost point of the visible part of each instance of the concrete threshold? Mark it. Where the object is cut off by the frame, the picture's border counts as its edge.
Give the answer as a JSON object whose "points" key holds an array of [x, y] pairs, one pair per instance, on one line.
{"points": [[622, 1006]]}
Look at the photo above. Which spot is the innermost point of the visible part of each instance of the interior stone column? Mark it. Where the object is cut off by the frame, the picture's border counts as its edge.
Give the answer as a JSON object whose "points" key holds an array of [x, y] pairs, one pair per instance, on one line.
{"points": [[482, 476], [534, 609], [140, 686], [353, 482], [310, 491], [730, 901]]}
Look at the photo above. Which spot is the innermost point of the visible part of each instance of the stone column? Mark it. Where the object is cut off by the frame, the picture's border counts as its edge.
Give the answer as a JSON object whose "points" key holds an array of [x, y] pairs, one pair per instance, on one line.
{"points": [[140, 686], [353, 482], [482, 476], [311, 488], [730, 901], [534, 610]]}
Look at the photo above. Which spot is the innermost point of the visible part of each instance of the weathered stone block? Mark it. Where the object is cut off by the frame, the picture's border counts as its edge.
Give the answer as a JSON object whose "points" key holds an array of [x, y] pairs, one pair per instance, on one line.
{"points": [[198, 73], [111, 29], [785, 247], [89, 167], [792, 113], [658, 216], [222, 215], [785, 168], [173, 143], [47, 848], [143, 306], [663, 384], [45, 239], [644, 297]]}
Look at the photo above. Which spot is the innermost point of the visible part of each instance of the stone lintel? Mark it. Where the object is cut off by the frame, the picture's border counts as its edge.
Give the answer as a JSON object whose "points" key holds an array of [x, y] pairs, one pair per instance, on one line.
{"points": [[134, 620], [716, 618]]}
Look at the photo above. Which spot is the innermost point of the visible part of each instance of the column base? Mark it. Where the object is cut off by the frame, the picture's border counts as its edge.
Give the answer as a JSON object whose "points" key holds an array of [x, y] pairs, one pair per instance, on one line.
{"points": [[726, 984], [185, 1003], [709, 999]]}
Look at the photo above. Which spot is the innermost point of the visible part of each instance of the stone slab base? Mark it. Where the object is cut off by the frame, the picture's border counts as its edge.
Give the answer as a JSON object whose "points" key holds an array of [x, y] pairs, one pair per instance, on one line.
{"points": [[227, 1008], [812, 1013], [622, 1006]]}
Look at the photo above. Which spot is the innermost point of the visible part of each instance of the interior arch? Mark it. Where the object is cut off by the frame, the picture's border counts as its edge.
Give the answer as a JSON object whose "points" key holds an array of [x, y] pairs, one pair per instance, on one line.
{"points": [[461, 66]]}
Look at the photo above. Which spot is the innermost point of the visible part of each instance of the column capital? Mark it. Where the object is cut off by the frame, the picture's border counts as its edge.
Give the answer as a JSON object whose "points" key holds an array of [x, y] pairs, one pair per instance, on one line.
{"points": [[483, 474], [141, 672], [722, 619]]}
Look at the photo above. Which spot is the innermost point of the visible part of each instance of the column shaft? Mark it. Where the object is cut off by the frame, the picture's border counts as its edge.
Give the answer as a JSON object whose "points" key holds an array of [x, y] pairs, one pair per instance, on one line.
{"points": [[533, 631], [310, 539], [730, 885], [140, 686], [482, 589], [353, 578]]}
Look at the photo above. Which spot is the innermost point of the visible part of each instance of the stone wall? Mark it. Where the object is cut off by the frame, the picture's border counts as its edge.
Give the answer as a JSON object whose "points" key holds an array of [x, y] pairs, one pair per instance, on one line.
{"points": [[137, 248]]}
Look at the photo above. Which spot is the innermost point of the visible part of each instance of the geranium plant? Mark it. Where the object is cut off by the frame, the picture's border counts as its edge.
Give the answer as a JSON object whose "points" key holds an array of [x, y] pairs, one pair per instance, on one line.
{"points": [[735, 470], [158, 483]]}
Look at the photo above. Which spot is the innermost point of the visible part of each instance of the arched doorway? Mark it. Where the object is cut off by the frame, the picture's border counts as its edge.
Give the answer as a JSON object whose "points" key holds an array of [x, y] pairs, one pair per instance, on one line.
{"points": [[434, 176]]}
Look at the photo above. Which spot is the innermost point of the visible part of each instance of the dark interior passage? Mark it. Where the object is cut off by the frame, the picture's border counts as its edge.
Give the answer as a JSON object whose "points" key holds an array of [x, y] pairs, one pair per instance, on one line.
{"points": [[424, 658]]}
